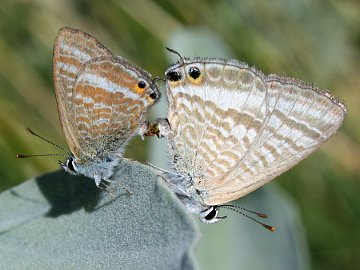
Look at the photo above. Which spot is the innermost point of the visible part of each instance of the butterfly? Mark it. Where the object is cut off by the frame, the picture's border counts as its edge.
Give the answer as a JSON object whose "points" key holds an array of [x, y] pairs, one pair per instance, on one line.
{"points": [[102, 103], [231, 129]]}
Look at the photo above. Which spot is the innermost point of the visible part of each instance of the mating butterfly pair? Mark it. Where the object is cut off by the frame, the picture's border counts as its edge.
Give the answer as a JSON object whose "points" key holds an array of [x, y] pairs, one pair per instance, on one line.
{"points": [[230, 128]]}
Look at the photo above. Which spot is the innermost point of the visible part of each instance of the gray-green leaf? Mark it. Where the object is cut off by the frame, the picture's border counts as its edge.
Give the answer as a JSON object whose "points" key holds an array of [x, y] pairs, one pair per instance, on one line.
{"points": [[58, 221]]}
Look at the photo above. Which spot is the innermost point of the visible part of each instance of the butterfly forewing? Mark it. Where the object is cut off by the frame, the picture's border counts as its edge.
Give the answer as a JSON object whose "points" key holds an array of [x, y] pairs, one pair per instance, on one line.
{"points": [[72, 49], [109, 105]]}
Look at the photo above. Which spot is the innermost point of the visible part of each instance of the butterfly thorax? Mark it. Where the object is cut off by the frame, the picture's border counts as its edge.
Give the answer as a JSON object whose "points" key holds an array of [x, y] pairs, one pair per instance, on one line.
{"points": [[97, 169], [183, 186]]}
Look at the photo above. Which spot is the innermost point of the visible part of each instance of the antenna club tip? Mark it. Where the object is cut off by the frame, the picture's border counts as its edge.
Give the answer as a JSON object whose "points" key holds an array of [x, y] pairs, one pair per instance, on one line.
{"points": [[262, 215], [270, 228], [19, 156]]}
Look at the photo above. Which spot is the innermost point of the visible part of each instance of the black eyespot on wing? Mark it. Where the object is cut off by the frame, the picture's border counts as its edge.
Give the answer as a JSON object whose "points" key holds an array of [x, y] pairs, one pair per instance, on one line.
{"points": [[153, 95], [173, 75], [141, 84], [194, 72]]}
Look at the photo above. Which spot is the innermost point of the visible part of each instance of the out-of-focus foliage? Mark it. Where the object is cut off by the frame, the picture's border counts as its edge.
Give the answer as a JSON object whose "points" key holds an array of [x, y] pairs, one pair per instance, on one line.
{"points": [[316, 41]]}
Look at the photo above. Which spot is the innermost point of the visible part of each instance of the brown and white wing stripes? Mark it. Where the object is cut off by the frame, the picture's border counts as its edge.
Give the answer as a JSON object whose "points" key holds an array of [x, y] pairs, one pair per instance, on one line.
{"points": [[207, 118], [72, 49], [111, 99], [234, 129], [300, 118]]}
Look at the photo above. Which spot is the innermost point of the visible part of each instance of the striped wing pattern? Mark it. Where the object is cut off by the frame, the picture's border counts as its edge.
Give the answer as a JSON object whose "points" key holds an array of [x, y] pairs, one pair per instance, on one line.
{"points": [[108, 105], [72, 49], [100, 102], [204, 121], [235, 129]]}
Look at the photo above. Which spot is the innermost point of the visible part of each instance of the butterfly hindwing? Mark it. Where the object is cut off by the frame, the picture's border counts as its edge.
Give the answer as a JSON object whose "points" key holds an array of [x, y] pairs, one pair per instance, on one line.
{"points": [[109, 104]]}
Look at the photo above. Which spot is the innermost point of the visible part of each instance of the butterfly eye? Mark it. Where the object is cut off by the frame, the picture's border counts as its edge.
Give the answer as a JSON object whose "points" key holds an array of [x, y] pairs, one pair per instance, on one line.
{"points": [[212, 214], [173, 76], [141, 84], [70, 164], [194, 72]]}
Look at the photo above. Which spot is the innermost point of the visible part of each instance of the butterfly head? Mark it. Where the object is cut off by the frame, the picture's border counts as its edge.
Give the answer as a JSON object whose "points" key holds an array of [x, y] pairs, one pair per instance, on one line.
{"points": [[70, 166], [210, 215]]}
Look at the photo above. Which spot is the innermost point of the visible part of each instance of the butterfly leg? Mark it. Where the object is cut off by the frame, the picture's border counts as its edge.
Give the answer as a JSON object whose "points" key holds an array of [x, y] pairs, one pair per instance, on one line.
{"points": [[176, 182], [106, 184], [147, 129], [163, 127], [97, 179], [179, 190], [102, 183]]}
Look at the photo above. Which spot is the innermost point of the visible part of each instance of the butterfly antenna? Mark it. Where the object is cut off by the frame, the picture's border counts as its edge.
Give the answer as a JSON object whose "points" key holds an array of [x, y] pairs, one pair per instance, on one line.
{"points": [[40, 155], [46, 140], [175, 52], [261, 215], [155, 167], [235, 209], [155, 79]]}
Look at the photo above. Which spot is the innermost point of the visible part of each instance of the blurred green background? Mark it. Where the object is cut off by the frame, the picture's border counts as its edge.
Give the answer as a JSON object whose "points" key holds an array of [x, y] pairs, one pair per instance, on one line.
{"points": [[316, 41]]}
